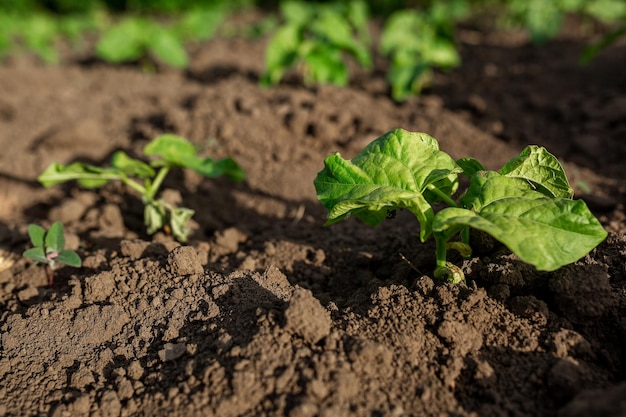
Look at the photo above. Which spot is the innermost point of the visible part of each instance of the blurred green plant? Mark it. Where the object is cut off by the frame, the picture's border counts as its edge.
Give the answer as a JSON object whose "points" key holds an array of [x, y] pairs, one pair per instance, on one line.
{"points": [[315, 38], [591, 51], [544, 19], [136, 38], [418, 41], [40, 32]]}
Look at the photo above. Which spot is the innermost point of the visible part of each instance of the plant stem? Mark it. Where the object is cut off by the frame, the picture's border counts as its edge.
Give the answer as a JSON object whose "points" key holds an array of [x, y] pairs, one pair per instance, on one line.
{"points": [[441, 250], [134, 185], [158, 180], [446, 271], [442, 195]]}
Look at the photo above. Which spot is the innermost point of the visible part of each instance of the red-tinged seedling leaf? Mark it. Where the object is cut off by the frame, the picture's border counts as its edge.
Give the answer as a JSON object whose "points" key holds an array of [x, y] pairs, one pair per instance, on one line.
{"points": [[69, 257], [37, 254], [54, 240]]}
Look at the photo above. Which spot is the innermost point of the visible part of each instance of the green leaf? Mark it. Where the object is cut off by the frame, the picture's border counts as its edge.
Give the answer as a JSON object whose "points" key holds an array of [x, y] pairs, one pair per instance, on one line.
{"points": [[37, 254], [325, 65], [392, 172], [154, 216], [211, 168], [179, 221], [167, 48], [88, 176], [179, 152], [297, 12], [470, 166], [54, 240], [130, 166], [36, 234], [487, 187], [545, 232], [540, 167], [69, 257], [172, 148], [281, 53], [124, 42]]}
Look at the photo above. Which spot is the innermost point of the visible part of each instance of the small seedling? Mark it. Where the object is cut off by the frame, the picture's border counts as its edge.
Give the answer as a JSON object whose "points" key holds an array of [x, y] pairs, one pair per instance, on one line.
{"points": [[419, 41], [527, 205], [49, 248], [314, 39], [146, 178], [137, 38]]}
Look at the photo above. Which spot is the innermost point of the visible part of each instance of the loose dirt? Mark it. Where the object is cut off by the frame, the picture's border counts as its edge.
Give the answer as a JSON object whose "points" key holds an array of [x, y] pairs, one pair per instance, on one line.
{"points": [[267, 312]]}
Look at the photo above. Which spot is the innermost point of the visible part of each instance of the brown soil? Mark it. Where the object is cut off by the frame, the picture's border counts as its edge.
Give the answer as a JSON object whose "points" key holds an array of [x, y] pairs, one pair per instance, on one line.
{"points": [[266, 312]]}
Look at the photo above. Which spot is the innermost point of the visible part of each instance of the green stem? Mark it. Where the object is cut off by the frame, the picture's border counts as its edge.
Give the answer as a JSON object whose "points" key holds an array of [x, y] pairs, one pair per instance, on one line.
{"points": [[441, 250], [158, 180], [134, 185], [442, 195], [446, 271]]}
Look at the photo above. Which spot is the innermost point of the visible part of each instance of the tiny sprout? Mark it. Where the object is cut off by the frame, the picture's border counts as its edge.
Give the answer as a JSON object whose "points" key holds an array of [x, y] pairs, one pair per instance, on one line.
{"points": [[49, 248]]}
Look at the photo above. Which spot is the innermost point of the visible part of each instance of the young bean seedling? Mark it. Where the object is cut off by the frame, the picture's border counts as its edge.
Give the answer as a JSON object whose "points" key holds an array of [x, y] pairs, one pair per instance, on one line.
{"points": [[527, 205], [49, 248], [171, 151]]}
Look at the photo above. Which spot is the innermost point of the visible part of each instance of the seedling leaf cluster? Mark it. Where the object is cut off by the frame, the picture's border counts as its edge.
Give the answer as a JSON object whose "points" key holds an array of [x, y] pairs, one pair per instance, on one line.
{"points": [[49, 248], [136, 38], [416, 42], [168, 151], [527, 205], [315, 38]]}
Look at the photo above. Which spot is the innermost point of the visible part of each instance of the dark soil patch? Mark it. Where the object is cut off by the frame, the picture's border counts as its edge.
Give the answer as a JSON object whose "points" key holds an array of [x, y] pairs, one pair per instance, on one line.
{"points": [[266, 312]]}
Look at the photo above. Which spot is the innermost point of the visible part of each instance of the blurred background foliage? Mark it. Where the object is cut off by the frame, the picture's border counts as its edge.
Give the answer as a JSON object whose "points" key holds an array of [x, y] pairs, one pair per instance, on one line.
{"points": [[314, 38]]}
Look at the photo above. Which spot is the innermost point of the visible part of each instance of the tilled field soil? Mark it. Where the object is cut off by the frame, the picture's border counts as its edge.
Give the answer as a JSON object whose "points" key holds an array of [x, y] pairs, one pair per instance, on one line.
{"points": [[267, 312]]}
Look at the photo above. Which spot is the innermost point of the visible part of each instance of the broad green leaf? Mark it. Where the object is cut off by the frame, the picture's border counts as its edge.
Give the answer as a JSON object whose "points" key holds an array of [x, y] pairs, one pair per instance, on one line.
{"points": [[179, 221], [297, 12], [540, 167], [441, 53], [281, 53], [400, 29], [69, 257], [172, 148], [407, 79], [470, 166], [211, 168], [545, 232], [334, 29], [179, 152], [124, 42], [325, 66], [358, 15], [55, 240], [606, 10], [130, 166], [167, 48], [390, 173], [88, 176], [37, 254], [487, 187], [36, 234]]}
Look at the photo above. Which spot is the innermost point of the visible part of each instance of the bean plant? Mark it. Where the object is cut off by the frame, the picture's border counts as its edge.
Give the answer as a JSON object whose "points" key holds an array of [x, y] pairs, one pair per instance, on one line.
{"points": [[169, 151], [527, 205]]}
